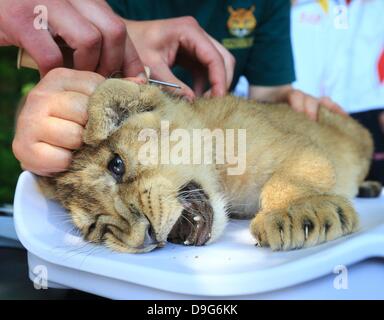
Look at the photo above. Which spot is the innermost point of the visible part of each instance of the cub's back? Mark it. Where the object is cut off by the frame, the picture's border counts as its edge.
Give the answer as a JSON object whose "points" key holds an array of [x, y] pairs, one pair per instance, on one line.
{"points": [[342, 139]]}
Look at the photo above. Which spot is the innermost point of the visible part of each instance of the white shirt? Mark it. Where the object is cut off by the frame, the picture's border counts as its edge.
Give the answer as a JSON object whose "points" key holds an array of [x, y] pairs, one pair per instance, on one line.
{"points": [[337, 51]]}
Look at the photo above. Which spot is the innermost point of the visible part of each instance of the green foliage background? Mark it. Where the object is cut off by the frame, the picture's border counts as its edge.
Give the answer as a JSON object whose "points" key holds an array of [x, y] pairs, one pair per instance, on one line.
{"points": [[13, 83]]}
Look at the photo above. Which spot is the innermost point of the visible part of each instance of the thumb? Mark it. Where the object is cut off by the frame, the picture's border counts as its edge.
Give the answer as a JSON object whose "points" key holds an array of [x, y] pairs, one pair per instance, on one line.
{"points": [[132, 64]]}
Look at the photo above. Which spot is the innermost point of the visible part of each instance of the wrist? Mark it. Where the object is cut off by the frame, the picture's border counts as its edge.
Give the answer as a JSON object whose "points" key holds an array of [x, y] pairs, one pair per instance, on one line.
{"points": [[271, 94], [282, 95]]}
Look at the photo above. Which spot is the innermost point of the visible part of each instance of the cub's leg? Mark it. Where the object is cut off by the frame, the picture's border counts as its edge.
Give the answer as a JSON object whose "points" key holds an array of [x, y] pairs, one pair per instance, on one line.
{"points": [[298, 208]]}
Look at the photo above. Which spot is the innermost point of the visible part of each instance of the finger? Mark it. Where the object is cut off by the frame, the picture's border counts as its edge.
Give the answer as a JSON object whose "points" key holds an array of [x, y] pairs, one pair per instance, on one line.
{"points": [[210, 58], [197, 70], [331, 105], [132, 64], [47, 54], [197, 44], [62, 79], [162, 71], [311, 107], [207, 94], [46, 159], [113, 32], [229, 60], [70, 106], [199, 83], [296, 100], [61, 133], [80, 34]]}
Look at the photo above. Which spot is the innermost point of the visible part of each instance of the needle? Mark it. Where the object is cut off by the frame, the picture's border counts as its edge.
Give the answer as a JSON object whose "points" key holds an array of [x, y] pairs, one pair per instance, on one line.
{"points": [[163, 83], [119, 74]]}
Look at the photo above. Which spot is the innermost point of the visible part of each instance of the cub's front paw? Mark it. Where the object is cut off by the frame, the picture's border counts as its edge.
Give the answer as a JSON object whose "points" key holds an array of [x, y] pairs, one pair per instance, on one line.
{"points": [[306, 222]]}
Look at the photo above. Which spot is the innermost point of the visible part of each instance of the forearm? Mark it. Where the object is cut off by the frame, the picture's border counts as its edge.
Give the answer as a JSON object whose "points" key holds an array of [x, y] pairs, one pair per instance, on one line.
{"points": [[270, 94]]}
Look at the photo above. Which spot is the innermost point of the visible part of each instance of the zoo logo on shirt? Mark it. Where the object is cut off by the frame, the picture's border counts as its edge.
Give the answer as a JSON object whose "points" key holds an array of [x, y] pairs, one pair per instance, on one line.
{"points": [[241, 23]]}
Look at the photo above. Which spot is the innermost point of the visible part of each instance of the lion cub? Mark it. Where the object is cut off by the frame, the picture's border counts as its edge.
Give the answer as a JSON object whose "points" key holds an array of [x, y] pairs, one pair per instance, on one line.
{"points": [[296, 185]]}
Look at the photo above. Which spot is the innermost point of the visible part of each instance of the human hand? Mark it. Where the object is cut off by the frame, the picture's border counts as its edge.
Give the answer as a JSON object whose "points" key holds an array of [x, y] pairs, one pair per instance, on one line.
{"points": [[302, 102], [298, 100], [50, 124], [163, 43], [96, 34]]}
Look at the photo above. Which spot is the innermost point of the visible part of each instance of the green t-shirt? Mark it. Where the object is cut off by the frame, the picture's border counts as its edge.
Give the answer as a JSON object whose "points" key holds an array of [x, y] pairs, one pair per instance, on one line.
{"points": [[256, 32]]}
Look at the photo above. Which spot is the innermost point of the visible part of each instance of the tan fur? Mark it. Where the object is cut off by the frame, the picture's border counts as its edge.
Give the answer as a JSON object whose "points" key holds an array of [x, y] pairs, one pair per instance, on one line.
{"points": [[298, 179]]}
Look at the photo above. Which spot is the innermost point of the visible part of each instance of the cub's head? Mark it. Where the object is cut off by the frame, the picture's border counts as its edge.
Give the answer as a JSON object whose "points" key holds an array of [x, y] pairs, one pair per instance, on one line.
{"points": [[117, 199], [241, 22]]}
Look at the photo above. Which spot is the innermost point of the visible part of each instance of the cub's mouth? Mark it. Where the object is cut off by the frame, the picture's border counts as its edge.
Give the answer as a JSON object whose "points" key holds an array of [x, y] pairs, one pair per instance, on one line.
{"points": [[194, 225]]}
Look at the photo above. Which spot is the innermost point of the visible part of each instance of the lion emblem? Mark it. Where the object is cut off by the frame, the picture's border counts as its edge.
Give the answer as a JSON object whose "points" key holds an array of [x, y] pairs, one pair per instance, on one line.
{"points": [[241, 22]]}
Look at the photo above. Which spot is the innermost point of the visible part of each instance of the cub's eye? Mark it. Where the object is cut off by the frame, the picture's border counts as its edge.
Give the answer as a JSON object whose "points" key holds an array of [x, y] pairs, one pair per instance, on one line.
{"points": [[117, 168]]}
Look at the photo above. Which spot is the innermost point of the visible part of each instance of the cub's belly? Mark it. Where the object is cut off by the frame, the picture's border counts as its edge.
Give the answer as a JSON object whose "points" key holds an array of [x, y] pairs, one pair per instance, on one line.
{"points": [[244, 204], [243, 191]]}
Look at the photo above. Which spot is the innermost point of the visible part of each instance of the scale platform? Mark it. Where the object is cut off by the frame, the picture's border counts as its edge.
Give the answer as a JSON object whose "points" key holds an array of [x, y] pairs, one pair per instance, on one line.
{"points": [[231, 268]]}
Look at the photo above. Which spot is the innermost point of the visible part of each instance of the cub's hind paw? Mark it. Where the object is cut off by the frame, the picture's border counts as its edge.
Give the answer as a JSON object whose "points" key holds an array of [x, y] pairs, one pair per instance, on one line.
{"points": [[306, 222]]}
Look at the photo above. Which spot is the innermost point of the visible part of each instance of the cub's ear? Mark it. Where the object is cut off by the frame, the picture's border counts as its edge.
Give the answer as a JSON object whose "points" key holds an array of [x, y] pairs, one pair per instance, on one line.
{"points": [[113, 102]]}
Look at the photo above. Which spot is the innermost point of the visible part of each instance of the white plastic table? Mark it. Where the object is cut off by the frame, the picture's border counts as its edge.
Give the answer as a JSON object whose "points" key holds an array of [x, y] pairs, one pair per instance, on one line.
{"points": [[231, 268]]}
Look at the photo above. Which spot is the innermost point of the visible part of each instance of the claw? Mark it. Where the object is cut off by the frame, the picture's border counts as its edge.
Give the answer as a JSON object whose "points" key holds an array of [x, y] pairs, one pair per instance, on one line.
{"points": [[257, 244], [306, 232], [281, 234], [197, 218]]}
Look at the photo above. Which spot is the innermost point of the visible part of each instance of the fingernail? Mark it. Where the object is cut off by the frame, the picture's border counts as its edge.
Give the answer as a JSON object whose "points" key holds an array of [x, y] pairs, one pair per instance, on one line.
{"points": [[147, 71]]}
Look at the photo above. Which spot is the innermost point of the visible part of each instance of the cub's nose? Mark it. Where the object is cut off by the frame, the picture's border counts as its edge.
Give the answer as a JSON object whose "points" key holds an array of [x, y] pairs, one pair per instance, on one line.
{"points": [[195, 222], [149, 237]]}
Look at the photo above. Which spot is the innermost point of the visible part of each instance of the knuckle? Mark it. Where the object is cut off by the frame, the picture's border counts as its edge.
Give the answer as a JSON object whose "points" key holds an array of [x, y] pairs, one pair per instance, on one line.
{"points": [[33, 97], [296, 95], [34, 106], [133, 60], [17, 9], [118, 31], [91, 39], [189, 21], [51, 61], [312, 101], [58, 73]]}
